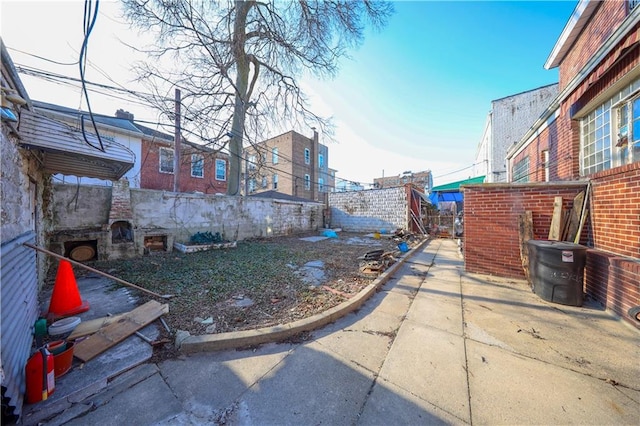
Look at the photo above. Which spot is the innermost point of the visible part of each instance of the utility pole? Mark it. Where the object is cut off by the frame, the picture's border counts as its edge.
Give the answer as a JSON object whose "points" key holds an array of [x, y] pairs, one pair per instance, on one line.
{"points": [[176, 148]]}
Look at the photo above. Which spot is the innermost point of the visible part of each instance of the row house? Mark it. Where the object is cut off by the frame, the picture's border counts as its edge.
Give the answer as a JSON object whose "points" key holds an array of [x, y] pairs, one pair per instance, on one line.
{"points": [[201, 169], [291, 164]]}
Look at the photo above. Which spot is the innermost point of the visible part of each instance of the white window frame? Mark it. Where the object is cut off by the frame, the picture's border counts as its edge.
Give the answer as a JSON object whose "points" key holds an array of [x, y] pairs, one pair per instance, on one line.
{"points": [[307, 156], [627, 143], [264, 181], [164, 152], [221, 176], [307, 182], [275, 181], [274, 155], [195, 159], [545, 164], [252, 185], [252, 162], [320, 184]]}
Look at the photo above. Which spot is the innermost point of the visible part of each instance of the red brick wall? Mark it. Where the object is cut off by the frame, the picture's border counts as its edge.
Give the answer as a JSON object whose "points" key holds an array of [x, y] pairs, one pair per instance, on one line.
{"points": [[152, 178], [613, 281], [615, 210], [612, 278], [491, 222], [607, 17]]}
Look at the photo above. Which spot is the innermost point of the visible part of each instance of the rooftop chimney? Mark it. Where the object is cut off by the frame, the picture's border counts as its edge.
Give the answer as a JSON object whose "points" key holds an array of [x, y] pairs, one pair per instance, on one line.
{"points": [[124, 114]]}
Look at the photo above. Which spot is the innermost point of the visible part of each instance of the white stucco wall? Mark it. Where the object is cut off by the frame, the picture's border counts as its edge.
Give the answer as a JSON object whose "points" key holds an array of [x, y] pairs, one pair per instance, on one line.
{"points": [[511, 117]]}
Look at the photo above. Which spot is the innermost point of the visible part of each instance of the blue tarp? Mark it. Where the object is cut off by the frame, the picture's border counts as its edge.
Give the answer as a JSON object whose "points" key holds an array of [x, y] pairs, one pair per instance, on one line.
{"points": [[436, 197]]}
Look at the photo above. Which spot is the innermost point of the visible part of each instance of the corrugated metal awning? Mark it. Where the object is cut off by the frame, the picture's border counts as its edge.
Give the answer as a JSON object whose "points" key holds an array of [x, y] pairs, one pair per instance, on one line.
{"points": [[65, 150]]}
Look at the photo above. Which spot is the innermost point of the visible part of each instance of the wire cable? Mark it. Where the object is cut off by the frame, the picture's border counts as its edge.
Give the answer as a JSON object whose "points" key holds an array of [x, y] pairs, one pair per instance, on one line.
{"points": [[89, 22]]}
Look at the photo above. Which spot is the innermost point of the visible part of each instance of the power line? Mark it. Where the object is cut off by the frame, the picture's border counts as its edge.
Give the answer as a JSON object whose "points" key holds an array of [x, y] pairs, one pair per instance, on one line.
{"points": [[42, 58]]}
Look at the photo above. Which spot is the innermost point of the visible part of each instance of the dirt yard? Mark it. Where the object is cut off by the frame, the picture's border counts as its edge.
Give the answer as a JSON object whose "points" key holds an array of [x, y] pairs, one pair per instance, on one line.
{"points": [[259, 283]]}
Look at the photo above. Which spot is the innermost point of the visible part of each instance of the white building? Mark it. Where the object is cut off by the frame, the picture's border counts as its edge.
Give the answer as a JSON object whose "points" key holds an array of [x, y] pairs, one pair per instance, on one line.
{"points": [[507, 122]]}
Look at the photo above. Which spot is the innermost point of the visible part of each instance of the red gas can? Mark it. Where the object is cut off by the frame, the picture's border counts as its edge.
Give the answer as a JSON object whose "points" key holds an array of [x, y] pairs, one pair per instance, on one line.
{"points": [[40, 376]]}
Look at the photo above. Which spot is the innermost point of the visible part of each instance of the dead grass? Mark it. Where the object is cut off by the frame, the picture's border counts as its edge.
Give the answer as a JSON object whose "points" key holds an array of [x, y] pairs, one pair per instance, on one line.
{"points": [[211, 287]]}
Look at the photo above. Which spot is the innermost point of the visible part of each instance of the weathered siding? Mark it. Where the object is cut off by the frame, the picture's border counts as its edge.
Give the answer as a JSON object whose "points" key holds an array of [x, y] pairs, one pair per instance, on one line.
{"points": [[368, 211], [19, 304]]}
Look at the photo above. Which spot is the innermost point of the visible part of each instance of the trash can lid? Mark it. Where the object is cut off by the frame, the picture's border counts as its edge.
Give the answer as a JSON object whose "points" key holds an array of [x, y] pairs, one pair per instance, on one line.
{"points": [[558, 245]]}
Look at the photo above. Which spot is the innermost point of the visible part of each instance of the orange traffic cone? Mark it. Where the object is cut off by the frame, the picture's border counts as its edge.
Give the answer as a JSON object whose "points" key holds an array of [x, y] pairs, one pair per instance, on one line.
{"points": [[65, 299]]}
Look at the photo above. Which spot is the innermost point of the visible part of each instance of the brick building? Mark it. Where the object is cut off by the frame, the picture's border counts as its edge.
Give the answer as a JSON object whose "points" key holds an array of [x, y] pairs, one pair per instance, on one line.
{"points": [[587, 139], [201, 169], [423, 180], [291, 164], [510, 117]]}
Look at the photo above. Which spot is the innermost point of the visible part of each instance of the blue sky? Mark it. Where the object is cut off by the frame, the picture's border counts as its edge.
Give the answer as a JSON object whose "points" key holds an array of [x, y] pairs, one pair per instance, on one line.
{"points": [[414, 96]]}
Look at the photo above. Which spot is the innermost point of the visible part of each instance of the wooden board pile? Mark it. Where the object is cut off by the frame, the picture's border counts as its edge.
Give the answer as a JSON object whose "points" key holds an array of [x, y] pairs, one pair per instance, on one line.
{"points": [[566, 225]]}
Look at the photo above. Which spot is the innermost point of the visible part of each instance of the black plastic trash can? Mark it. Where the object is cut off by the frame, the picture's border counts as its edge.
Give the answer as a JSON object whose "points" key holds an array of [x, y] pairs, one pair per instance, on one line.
{"points": [[556, 269]]}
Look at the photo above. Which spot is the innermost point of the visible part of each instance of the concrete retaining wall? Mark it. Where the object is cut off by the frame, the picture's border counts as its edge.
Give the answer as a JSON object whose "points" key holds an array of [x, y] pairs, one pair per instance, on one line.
{"points": [[82, 212]]}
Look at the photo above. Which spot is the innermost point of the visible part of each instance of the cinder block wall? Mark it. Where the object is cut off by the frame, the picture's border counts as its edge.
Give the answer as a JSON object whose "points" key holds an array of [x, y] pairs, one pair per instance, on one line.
{"points": [[369, 211]]}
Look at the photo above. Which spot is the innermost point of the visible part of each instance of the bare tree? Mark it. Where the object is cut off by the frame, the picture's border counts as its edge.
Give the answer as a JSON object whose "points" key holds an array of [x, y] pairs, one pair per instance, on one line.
{"points": [[239, 63]]}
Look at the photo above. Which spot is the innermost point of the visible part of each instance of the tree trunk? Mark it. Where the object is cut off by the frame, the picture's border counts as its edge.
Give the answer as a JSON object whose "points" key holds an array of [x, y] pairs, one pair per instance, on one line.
{"points": [[242, 85]]}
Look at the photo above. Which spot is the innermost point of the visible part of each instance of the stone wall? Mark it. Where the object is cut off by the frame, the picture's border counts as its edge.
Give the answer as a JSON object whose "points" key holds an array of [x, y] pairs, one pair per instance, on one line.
{"points": [[371, 210], [82, 213]]}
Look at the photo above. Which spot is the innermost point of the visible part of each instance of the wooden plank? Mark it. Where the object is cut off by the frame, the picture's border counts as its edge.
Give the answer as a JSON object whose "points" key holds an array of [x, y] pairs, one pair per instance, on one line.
{"points": [[525, 233], [91, 326], [119, 330], [565, 224], [574, 217], [583, 215], [556, 220]]}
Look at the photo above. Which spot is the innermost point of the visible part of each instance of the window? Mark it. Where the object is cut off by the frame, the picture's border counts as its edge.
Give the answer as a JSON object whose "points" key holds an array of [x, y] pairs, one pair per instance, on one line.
{"points": [[252, 162], [264, 181], [633, 4], [628, 140], [320, 160], [607, 137], [166, 160], [320, 185], [307, 156], [274, 155], [521, 170], [596, 140], [275, 181], [252, 185], [307, 182], [545, 164], [197, 165], [221, 169]]}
